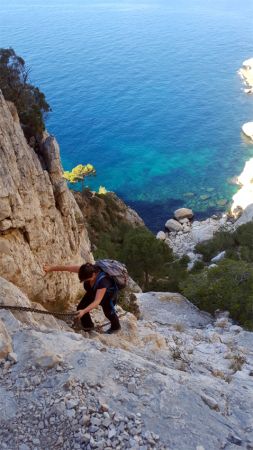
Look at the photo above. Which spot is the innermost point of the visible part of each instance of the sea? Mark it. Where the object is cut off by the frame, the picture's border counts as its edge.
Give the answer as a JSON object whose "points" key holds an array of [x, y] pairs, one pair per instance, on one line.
{"points": [[145, 90]]}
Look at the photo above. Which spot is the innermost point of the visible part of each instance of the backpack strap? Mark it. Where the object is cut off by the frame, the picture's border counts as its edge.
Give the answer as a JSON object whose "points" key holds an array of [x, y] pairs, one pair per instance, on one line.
{"points": [[100, 277]]}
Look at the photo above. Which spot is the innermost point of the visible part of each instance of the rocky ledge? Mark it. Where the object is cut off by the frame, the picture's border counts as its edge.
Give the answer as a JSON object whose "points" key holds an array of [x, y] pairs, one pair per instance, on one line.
{"points": [[176, 379]]}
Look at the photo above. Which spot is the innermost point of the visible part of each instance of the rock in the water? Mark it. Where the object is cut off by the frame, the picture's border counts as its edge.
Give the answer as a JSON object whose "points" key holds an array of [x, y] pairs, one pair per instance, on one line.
{"points": [[183, 213]]}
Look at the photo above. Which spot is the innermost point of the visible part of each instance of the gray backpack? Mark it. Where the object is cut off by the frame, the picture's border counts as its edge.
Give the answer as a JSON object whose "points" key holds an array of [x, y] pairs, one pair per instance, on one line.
{"points": [[116, 270]]}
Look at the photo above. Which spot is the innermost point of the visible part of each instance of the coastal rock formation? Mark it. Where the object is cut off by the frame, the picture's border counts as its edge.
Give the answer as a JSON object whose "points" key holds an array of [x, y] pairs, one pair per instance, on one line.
{"points": [[246, 73], [247, 128], [40, 221], [244, 196], [175, 379], [183, 235], [247, 216]]}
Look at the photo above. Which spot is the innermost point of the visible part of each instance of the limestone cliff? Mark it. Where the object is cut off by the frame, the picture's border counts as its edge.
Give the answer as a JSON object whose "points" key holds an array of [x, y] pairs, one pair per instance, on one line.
{"points": [[40, 221]]}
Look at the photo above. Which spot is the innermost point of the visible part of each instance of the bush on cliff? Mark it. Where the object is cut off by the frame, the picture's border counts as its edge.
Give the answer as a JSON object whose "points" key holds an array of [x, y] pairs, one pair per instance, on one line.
{"points": [[28, 99], [238, 245], [229, 286], [146, 257], [222, 240]]}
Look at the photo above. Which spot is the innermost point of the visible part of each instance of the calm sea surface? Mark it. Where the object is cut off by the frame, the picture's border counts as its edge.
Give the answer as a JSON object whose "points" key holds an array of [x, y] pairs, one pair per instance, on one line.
{"points": [[146, 91]]}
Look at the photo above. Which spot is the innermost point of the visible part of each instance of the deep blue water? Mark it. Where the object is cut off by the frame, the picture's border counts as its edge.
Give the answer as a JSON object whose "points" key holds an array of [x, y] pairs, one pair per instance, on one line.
{"points": [[146, 91]]}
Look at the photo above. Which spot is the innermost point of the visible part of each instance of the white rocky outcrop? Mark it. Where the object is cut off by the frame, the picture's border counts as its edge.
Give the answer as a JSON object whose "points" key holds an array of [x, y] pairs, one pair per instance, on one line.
{"points": [[246, 73], [184, 239], [176, 379], [40, 221], [244, 196], [247, 216], [247, 128]]}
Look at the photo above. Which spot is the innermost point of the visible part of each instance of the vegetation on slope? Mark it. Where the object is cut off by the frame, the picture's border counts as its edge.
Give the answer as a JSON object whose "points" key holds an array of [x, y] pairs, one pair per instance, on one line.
{"points": [[29, 100], [229, 285]]}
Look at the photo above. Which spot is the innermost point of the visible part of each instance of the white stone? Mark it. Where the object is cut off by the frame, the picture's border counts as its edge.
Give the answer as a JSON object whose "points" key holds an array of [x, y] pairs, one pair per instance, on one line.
{"points": [[13, 357], [161, 235], [173, 225], [219, 257]]}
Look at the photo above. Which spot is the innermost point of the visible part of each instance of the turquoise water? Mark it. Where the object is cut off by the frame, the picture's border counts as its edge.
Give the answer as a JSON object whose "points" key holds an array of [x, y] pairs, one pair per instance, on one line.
{"points": [[146, 91]]}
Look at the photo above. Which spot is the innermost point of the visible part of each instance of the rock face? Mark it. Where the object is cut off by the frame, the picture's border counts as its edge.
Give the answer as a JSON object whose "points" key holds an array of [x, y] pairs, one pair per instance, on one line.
{"points": [[40, 221], [103, 212], [176, 379], [247, 216]]}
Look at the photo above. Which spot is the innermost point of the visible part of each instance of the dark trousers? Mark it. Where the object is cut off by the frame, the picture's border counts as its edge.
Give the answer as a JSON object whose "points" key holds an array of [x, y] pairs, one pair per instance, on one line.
{"points": [[108, 309]]}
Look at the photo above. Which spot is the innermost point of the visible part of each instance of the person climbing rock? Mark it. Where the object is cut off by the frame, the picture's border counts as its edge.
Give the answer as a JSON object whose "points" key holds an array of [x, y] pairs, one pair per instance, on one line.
{"points": [[100, 290]]}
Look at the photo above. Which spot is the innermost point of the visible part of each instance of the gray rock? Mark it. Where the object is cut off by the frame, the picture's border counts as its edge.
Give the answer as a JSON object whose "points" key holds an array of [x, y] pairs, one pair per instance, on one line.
{"points": [[219, 257], [13, 357], [211, 402], [173, 225], [161, 235], [183, 213]]}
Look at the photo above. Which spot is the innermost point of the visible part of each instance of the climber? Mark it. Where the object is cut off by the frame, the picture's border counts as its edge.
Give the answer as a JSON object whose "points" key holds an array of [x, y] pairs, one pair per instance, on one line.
{"points": [[100, 290]]}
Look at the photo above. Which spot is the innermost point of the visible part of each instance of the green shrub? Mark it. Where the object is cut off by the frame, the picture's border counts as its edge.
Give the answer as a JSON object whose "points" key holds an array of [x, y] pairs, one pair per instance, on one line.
{"points": [[244, 235], [28, 99], [238, 245], [222, 240], [228, 286]]}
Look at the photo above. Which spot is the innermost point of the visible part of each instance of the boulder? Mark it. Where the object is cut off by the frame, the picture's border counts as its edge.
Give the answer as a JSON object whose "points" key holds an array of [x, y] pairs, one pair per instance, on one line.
{"points": [[218, 257], [161, 235], [173, 225], [203, 231], [183, 213]]}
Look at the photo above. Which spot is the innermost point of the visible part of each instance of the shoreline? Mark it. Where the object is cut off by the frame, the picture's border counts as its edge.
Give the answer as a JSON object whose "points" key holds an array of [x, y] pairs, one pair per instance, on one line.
{"points": [[183, 235], [244, 196], [246, 73]]}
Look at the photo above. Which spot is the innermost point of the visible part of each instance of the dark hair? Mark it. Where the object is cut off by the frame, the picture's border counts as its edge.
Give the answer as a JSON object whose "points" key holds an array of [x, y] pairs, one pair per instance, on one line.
{"points": [[86, 271]]}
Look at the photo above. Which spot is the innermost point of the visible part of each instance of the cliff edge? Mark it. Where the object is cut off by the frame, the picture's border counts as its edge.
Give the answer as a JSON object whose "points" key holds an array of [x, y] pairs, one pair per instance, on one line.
{"points": [[40, 221]]}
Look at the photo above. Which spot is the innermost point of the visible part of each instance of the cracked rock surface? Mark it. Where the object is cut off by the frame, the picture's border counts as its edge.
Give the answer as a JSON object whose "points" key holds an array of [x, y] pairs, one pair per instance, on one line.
{"points": [[175, 379]]}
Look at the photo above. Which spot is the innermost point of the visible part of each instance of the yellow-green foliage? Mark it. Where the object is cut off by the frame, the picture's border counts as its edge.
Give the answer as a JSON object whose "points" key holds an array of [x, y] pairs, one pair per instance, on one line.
{"points": [[102, 190], [79, 173]]}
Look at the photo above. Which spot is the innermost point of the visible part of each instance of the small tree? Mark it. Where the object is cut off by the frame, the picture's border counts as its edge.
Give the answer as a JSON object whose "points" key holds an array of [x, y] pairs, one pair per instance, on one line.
{"points": [[79, 173], [28, 99], [144, 255]]}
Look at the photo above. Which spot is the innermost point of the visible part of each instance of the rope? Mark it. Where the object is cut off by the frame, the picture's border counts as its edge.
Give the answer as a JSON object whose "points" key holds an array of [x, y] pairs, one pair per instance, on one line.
{"points": [[56, 314], [39, 311]]}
